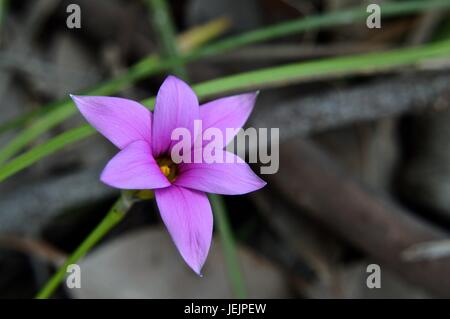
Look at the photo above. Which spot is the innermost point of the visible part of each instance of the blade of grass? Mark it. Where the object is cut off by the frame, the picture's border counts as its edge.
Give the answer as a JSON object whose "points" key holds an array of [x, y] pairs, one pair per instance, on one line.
{"points": [[45, 149], [283, 29], [195, 37], [270, 77], [328, 20], [228, 245], [318, 69], [164, 27], [112, 218], [3, 8]]}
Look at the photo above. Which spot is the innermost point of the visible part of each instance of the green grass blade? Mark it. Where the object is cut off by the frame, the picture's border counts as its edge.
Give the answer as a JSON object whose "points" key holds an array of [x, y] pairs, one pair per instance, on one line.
{"points": [[45, 149], [113, 217], [3, 9], [228, 245], [270, 77], [163, 24], [328, 20]]}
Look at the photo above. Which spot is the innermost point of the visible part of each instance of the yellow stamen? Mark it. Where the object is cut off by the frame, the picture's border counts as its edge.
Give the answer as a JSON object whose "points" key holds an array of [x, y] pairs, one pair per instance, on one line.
{"points": [[165, 170], [168, 168]]}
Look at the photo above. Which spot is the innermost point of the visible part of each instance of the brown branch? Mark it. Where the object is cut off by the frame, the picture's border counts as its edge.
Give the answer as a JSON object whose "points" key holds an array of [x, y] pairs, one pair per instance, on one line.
{"points": [[34, 247], [370, 222]]}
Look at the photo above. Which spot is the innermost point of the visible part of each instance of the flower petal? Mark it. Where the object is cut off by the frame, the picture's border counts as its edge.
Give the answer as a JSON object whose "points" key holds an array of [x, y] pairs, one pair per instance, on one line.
{"points": [[188, 217], [228, 112], [230, 178], [134, 168], [176, 107], [121, 121]]}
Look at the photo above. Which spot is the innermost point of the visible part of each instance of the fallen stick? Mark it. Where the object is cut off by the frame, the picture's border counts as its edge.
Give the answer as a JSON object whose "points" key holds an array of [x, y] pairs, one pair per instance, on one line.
{"points": [[308, 178]]}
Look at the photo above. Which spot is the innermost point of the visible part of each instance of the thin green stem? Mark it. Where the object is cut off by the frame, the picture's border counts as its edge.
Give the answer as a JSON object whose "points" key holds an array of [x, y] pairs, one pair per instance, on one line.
{"points": [[3, 7], [45, 149], [164, 27], [3, 10], [228, 246], [112, 218], [270, 77], [310, 23]]}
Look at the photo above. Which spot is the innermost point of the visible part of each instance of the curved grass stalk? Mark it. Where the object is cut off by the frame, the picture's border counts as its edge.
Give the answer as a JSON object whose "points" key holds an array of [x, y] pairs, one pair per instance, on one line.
{"points": [[112, 218], [115, 216], [228, 246], [53, 118], [3, 9], [164, 27]]}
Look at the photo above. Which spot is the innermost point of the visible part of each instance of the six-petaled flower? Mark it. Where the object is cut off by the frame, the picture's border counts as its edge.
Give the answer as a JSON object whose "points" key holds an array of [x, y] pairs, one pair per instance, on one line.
{"points": [[144, 161]]}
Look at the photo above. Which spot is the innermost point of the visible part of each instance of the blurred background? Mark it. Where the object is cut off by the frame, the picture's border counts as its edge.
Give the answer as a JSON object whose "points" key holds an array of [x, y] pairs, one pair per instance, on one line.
{"points": [[364, 125]]}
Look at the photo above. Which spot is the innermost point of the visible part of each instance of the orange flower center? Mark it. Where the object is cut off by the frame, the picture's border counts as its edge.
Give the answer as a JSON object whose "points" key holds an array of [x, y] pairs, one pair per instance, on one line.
{"points": [[168, 168]]}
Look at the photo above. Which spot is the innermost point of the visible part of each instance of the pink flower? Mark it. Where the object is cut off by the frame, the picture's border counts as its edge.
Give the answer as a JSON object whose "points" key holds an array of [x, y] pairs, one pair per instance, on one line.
{"points": [[144, 162]]}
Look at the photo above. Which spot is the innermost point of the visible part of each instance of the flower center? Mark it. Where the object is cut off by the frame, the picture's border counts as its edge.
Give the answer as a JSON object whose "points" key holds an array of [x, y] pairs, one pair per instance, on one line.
{"points": [[168, 168]]}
